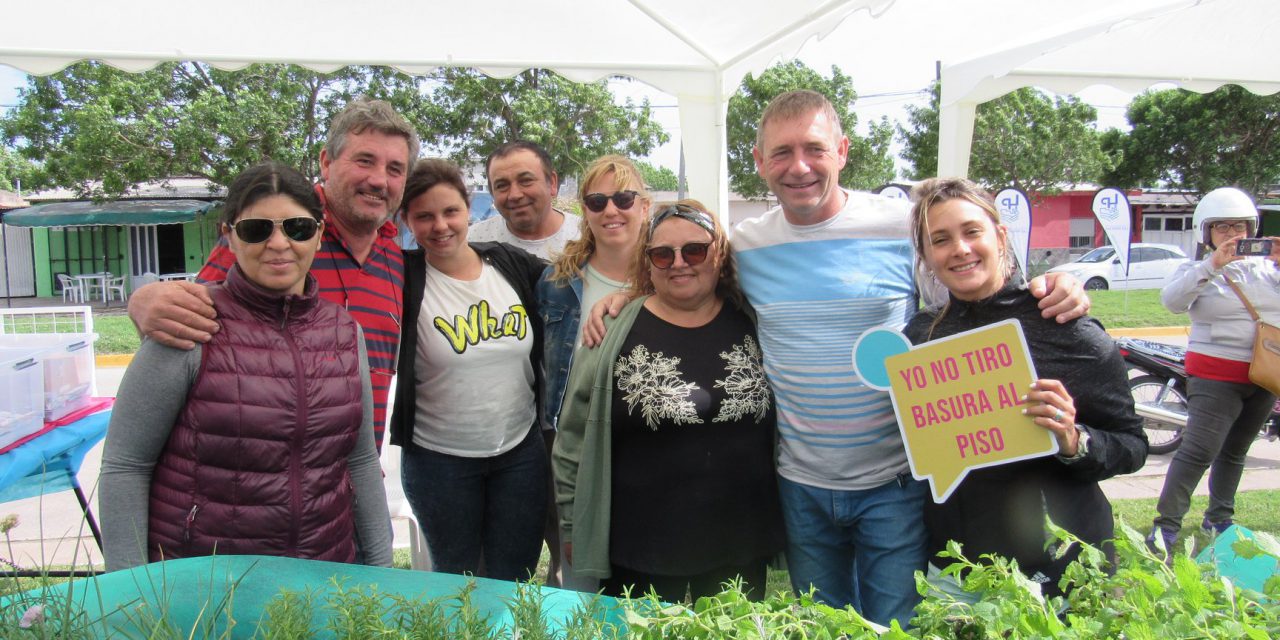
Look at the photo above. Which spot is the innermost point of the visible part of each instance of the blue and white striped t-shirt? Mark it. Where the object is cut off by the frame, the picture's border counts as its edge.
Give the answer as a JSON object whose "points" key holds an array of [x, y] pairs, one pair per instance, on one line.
{"points": [[815, 290]]}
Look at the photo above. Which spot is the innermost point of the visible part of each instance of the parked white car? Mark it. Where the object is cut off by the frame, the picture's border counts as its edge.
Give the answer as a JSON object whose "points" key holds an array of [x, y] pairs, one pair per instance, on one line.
{"points": [[1150, 265]]}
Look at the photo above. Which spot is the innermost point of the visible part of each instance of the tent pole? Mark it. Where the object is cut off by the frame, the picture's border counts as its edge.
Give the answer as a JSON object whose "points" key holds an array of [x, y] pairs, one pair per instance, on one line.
{"points": [[8, 291]]}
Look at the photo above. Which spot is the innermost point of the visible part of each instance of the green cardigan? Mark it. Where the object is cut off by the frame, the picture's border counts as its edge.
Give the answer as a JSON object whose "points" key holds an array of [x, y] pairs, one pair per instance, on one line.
{"points": [[582, 456]]}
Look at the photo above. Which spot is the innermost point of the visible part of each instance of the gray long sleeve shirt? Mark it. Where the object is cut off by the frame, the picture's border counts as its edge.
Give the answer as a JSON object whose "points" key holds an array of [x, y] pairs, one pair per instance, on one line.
{"points": [[1220, 325], [151, 397]]}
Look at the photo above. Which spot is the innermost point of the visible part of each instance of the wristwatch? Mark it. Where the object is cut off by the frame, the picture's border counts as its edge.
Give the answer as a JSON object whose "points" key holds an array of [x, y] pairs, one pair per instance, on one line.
{"points": [[1082, 447]]}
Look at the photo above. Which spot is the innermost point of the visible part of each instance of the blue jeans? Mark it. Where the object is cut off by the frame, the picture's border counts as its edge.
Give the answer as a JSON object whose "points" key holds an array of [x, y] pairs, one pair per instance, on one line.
{"points": [[469, 506], [859, 548]]}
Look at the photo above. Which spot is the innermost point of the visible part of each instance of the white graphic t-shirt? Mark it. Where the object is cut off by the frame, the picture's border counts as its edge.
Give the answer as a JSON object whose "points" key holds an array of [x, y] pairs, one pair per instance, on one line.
{"points": [[475, 381]]}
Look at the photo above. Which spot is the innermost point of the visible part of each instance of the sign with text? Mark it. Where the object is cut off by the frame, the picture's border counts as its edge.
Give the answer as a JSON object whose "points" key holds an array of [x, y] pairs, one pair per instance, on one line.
{"points": [[958, 400]]}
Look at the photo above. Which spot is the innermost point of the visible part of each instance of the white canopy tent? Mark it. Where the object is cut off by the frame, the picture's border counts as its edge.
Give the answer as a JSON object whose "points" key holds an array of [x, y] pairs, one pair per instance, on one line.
{"points": [[1197, 45], [697, 51]]}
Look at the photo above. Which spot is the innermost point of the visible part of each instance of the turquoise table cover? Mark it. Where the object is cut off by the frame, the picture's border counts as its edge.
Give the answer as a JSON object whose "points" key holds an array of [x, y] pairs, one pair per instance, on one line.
{"points": [[189, 589]]}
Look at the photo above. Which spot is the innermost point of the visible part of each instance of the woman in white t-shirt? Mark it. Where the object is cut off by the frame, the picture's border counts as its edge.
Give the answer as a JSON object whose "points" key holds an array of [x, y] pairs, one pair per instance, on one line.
{"points": [[466, 410]]}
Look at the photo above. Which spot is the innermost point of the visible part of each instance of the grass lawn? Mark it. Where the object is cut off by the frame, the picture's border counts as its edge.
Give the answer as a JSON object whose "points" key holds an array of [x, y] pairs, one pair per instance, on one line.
{"points": [[1256, 510], [1115, 309], [1139, 308], [115, 335]]}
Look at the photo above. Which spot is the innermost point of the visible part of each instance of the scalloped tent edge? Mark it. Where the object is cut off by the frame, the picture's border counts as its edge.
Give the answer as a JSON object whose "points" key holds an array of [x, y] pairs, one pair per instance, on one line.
{"points": [[697, 51], [1205, 44]]}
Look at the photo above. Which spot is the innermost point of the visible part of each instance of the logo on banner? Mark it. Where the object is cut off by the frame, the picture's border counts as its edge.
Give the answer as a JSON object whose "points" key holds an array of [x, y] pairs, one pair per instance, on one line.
{"points": [[1015, 213], [1009, 206], [958, 400], [1109, 206], [894, 191]]}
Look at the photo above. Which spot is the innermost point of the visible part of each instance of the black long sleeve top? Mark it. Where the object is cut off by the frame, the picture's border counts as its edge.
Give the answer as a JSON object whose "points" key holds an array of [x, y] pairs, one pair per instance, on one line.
{"points": [[1001, 509]]}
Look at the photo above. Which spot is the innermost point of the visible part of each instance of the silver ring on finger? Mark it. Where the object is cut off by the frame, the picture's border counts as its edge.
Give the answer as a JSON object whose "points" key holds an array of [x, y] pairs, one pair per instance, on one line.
{"points": [[1057, 417]]}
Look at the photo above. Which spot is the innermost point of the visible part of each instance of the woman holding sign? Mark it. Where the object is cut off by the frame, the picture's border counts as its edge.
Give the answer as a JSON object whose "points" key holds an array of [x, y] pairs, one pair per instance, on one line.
{"points": [[1081, 397]]}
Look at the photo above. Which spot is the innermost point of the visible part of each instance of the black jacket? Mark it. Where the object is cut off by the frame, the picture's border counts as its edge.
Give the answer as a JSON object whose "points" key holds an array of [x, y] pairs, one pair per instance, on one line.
{"points": [[1001, 509], [518, 267]]}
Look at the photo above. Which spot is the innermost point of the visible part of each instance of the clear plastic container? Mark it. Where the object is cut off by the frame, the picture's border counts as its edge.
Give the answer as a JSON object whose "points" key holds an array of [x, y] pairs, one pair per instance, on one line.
{"points": [[68, 368], [21, 394]]}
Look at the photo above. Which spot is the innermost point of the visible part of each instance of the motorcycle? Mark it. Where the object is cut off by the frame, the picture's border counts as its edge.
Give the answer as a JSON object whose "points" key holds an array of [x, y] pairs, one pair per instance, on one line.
{"points": [[1160, 393]]}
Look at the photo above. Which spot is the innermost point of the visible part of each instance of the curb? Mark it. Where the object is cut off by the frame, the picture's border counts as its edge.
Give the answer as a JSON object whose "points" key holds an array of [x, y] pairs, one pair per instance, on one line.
{"points": [[113, 360], [1139, 332]]}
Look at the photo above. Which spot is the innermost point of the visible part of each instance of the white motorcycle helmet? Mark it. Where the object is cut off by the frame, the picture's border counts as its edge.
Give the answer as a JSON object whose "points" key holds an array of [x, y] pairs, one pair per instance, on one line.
{"points": [[1224, 204]]}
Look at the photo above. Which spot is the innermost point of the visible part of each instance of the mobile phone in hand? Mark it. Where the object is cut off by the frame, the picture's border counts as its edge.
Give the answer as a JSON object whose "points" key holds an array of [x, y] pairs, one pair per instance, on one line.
{"points": [[1254, 247]]}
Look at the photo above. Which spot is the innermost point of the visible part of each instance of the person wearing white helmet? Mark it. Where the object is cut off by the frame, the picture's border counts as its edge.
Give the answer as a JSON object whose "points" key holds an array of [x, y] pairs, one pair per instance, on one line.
{"points": [[1225, 410]]}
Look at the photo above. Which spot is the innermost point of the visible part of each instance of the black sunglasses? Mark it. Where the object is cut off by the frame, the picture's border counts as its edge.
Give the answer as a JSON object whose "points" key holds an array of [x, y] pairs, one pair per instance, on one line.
{"points": [[596, 202], [694, 253], [255, 230]]}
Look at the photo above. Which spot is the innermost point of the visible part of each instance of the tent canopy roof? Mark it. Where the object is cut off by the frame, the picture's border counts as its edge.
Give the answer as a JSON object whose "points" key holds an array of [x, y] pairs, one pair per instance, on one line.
{"points": [[657, 41], [698, 51], [1194, 44], [120, 212]]}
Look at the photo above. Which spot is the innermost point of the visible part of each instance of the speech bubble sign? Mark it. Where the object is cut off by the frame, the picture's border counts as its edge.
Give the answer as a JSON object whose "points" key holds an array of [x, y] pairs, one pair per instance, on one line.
{"points": [[959, 402]]}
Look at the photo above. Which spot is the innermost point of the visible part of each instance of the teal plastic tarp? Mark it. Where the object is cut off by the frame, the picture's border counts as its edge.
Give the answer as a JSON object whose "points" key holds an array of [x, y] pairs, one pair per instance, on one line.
{"points": [[189, 592]]}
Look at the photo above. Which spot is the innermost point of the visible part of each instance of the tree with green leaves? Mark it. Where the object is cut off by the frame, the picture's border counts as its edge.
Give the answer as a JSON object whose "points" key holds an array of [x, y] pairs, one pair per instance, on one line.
{"points": [[1199, 141], [869, 162], [575, 122], [658, 178], [14, 170], [1025, 139], [100, 130]]}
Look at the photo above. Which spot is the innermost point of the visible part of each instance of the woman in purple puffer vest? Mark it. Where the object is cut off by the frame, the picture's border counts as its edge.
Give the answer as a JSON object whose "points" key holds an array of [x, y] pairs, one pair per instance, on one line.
{"points": [[259, 442]]}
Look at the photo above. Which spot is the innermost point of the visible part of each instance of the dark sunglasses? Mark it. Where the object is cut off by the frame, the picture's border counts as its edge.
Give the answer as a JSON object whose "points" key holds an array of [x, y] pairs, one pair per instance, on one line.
{"points": [[694, 253], [596, 202], [255, 230]]}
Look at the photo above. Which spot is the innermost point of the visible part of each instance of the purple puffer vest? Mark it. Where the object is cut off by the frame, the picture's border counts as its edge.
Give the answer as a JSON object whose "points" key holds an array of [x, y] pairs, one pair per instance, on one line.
{"points": [[257, 462]]}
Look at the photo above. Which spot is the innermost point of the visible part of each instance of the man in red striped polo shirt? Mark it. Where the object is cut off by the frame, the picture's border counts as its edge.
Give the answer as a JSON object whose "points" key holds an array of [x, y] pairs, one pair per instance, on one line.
{"points": [[363, 166]]}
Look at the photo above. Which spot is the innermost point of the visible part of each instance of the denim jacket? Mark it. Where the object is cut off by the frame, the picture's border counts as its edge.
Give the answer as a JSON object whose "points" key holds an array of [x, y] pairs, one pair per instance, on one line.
{"points": [[559, 306]]}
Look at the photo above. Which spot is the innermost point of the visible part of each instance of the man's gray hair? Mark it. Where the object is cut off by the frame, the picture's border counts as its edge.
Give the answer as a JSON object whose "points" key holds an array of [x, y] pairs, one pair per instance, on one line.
{"points": [[365, 113]]}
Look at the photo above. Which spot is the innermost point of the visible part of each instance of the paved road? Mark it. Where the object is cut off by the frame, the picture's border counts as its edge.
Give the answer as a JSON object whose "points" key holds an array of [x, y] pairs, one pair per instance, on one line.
{"points": [[50, 529]]}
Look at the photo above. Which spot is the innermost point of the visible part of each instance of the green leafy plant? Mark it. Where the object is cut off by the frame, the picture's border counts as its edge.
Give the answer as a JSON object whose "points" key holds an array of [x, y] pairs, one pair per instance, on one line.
{"points": [[1150, 595], [1135, 592]]}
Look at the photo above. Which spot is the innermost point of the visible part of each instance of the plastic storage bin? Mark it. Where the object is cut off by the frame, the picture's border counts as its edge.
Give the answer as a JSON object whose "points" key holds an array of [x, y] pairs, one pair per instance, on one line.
{"points": [[68, 368], [21, 394]]}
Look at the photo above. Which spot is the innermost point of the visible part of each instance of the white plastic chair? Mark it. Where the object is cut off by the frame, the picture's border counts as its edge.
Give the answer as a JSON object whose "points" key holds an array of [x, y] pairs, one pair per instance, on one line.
{"points": [[113, 285], [399, 507], [71, 290], [397, 504], [144, 280]]}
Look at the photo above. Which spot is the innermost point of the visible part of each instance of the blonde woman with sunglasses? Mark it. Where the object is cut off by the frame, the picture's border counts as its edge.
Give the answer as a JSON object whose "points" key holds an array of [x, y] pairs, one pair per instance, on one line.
{"points": [[664, 459], [259, 442], [615, 208]]}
